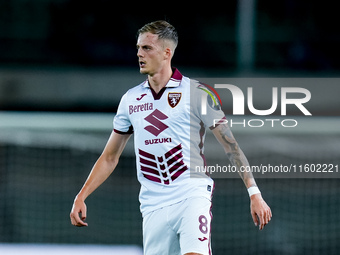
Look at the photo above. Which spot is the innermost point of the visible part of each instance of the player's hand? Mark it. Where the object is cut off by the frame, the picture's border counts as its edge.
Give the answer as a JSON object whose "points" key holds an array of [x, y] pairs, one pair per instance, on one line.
{"points": [[78, 213], [260, 211]]}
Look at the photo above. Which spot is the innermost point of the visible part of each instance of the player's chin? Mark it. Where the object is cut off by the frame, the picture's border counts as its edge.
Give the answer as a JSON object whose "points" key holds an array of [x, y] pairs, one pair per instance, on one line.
{"points": [[143, 70]]}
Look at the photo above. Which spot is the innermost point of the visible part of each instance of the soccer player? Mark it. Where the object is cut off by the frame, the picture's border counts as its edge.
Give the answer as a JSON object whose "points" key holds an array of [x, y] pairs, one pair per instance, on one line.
{"points": [[164, 113]]}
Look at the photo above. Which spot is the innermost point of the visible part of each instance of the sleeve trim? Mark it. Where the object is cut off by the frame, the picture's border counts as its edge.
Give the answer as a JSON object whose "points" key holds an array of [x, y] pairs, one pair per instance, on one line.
{"points": [[130, 131]]}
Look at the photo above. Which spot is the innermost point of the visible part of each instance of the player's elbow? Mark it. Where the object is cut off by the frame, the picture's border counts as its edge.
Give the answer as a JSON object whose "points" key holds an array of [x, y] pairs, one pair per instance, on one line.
{"points": [[110, 159]]}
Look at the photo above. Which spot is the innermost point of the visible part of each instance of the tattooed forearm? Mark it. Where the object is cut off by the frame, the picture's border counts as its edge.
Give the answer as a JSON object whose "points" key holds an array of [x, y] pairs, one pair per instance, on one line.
{"points": [[235, 154]]}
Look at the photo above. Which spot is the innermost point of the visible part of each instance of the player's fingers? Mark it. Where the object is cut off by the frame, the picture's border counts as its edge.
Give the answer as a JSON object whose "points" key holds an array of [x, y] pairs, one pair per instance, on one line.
{"points": [[266, 218], [76, 221], [81, 224], [83, 213], [262, 220], [75, 218], [80, 221], [269, 217], [255, 219]]}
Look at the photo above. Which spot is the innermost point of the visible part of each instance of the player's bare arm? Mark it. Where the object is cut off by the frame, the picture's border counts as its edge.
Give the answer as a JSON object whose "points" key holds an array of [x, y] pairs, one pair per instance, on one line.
{"points": [[260, 211], [101, 170]]}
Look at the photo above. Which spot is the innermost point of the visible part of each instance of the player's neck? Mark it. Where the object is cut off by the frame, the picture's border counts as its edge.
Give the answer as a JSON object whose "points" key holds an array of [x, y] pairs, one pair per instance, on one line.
{"points": [[158, 80]]}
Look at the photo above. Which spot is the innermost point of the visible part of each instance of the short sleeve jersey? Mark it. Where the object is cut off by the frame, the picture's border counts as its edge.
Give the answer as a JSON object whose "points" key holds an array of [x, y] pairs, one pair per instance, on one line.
{"points": [[169, 132]]}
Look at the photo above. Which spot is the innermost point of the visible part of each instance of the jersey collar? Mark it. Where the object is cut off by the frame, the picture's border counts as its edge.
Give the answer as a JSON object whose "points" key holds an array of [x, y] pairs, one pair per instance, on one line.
{"points": [[174, 81]]}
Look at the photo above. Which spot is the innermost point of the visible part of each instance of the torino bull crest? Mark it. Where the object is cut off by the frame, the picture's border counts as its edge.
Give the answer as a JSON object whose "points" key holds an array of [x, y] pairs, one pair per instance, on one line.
{"points": [[174, 98]]}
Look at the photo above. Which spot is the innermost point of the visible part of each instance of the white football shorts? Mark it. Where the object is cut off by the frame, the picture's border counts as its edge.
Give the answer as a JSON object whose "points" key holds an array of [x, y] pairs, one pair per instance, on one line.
{"points": [[178, 229]]}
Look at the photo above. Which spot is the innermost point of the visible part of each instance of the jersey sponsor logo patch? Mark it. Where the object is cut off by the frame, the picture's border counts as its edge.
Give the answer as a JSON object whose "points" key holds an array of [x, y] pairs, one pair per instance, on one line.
{"points": [[140, 108], [157, 126], [165, 168], [174, 98], [158, 140]]}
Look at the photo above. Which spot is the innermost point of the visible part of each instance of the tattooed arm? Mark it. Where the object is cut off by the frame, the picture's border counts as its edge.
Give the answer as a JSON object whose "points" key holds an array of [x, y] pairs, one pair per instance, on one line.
{"points": [[260, 211], [236, 156]]}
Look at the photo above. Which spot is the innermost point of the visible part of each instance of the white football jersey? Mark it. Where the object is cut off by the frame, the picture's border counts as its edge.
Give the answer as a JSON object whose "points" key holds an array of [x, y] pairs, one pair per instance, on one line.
{"points": [[169, 132]]}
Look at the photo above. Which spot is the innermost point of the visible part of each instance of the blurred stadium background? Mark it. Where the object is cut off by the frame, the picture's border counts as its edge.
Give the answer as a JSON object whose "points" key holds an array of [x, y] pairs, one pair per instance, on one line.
{"points": [[64, 64]]}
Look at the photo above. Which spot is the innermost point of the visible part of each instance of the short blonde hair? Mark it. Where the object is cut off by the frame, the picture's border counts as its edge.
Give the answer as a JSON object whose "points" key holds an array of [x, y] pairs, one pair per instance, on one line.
{"points": [[163, 29]]}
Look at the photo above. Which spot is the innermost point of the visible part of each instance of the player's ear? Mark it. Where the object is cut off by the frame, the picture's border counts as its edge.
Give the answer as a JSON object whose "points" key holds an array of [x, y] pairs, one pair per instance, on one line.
{"points": [[167, 52]]}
